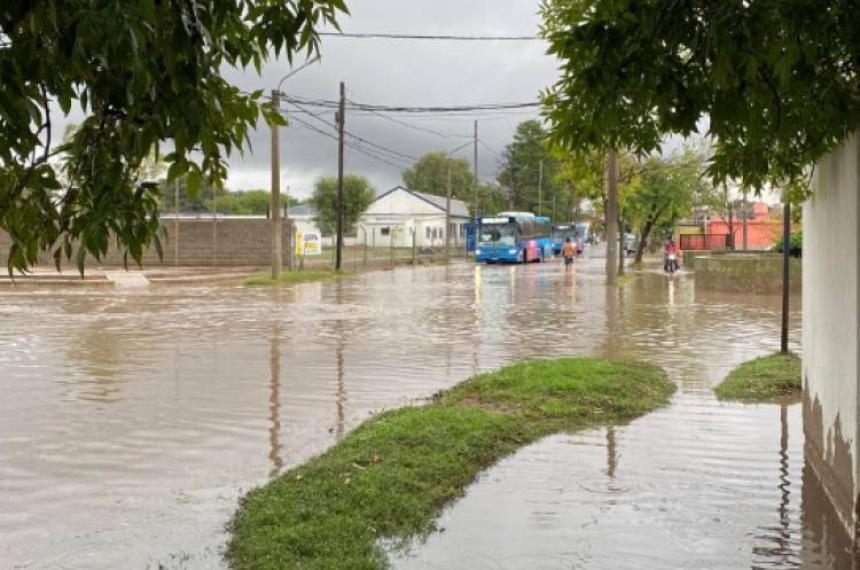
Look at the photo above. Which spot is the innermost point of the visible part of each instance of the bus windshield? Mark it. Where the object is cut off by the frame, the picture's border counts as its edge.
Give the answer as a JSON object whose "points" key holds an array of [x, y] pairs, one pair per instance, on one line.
{"points": [[498, 234], [562, 232]]}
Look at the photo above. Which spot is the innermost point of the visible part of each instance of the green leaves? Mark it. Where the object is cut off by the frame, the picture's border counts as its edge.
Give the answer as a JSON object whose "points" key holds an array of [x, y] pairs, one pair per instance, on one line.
{"points": [[773, 82], [144, 73], [357, 196]]}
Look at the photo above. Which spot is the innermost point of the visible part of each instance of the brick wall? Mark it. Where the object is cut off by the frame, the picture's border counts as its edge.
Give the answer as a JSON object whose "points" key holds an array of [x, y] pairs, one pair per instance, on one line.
{"points": [[202, 242]]}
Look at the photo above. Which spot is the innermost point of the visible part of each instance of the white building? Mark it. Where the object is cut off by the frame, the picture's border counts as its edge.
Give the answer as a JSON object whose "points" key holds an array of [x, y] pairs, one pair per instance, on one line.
{"points": [[395, 215]]}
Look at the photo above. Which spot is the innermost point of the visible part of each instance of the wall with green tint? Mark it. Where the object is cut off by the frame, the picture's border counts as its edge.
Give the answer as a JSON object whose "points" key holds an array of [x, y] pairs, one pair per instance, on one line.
{"points": [[748, 273]]}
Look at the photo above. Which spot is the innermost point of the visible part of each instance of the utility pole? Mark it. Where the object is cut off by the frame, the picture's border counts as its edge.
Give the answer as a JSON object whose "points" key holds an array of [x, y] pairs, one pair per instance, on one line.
{"points": [[621, 246], [612, 218], [746, 216], [448, 214], [176, 222], [786, 236], [540, 188], [341, 119], [276, 191], [475, 165]]}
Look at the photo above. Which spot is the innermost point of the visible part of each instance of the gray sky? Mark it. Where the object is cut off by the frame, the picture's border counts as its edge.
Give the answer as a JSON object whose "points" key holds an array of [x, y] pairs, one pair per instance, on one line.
{"points": [[404, 72]]}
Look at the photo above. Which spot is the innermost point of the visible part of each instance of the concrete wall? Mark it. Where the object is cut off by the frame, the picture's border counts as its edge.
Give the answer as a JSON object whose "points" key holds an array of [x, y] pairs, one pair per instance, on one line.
{"points": [[753, 273], [202, 242], [830, 329]]}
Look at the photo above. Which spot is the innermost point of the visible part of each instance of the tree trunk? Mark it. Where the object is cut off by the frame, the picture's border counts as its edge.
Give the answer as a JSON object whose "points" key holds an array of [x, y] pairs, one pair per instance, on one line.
{"points": [[611, 215], [622, 247], [640, 247]]}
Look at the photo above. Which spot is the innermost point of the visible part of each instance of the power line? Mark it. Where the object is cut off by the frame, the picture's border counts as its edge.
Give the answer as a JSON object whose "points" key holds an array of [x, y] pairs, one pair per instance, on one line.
{"points": [[376, 156], [488, 147], [443, 37], [394, 153], [417, 128], [371, 108]]}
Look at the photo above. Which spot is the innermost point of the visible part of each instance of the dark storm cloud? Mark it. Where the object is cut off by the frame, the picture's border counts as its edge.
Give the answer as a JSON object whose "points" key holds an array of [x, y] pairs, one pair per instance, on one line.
{"points": [[404, 73]]}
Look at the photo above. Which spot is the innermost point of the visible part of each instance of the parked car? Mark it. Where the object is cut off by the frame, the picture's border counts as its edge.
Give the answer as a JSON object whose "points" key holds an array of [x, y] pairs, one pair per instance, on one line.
{"points": [[629, 243]]}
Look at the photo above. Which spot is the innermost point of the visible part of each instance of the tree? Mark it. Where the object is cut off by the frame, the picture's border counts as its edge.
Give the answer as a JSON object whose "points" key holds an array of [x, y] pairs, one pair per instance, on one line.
{"points": [[143, 73], [520, 170], [357, 196], [247, 202], [668, 190], [430, 175], [776, 80]]}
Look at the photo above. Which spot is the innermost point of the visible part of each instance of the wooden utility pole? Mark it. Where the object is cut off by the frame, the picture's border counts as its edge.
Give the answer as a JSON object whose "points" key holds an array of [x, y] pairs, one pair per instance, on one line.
{"points": [[448, 213], [176, 222], [786, 237], [341, 119], [475, 166], [612, 218], [276, 191], [540, 189]]}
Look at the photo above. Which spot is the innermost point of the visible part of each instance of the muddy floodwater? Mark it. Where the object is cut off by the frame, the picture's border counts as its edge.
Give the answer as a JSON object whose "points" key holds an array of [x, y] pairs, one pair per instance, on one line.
{"points": [[130, 422]]}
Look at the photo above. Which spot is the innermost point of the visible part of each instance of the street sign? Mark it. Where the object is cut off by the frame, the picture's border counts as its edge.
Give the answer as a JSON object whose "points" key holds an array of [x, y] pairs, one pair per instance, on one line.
{"points": [[300, 242], [312, 244]]}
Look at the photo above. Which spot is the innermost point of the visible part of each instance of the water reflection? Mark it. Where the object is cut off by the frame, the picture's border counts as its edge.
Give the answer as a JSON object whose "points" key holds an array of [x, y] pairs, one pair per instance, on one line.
{"points": [[211, 391], [275, 401], [611, 452]]}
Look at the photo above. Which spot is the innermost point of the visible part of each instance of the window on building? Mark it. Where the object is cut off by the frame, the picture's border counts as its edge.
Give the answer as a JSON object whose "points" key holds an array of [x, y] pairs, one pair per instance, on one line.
{"points": [[428, 233], [385, 231]]}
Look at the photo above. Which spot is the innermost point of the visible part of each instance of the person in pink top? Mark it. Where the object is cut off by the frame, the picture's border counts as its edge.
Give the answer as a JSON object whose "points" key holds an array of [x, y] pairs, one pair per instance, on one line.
{"points": [[671, 255]]}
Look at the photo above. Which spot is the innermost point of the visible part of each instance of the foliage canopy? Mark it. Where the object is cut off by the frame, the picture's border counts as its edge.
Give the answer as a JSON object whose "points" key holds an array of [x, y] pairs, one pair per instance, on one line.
{"points": [[774, 82], [143, 72], [357, 196]]}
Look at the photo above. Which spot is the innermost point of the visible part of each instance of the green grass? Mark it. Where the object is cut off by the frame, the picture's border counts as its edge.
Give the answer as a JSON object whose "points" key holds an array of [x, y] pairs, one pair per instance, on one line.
{"points": [[288, 277], [768, 378], [391, 476]]}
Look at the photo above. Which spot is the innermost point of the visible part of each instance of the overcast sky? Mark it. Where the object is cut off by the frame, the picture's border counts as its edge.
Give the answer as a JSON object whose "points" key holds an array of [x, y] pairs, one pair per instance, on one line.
{"points": [[404, 72]]}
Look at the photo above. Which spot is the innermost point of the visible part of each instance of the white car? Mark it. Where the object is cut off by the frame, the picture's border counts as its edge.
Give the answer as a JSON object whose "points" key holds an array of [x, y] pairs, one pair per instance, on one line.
{"points": [[629, 243]]}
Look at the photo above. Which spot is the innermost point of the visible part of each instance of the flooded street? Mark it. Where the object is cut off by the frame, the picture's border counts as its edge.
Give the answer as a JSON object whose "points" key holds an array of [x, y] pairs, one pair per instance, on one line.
{"points": [[131, 422]]}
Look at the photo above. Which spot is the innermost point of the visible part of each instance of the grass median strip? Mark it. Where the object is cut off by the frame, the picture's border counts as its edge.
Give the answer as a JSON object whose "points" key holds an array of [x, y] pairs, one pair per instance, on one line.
{"points": [[288, 277], [391, 476], [769, 378]]}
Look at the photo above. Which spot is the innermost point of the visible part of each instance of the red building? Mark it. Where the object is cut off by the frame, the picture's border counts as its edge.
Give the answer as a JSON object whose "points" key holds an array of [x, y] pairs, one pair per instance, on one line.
{"points": [[762, 231]]}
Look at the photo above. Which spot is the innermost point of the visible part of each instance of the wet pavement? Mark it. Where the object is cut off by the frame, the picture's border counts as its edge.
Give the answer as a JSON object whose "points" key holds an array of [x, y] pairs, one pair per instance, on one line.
{"points": [[131, 421]]}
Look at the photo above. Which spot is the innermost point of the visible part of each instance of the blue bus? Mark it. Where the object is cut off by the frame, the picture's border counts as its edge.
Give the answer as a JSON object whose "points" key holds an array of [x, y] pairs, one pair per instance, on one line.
{"points": [[515, 237], [561, 232]]}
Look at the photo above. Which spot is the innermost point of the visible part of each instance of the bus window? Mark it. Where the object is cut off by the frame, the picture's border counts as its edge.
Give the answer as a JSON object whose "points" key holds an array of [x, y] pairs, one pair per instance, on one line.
{"points": [[498, 234]]}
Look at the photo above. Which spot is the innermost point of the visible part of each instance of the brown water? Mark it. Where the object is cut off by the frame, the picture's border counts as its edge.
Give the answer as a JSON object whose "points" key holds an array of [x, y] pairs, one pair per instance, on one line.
{"points": [[130, 422]]}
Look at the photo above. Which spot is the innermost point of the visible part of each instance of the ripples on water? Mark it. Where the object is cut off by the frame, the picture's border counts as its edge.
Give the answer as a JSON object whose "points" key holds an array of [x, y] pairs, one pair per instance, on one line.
{"points": [[131, 422]]}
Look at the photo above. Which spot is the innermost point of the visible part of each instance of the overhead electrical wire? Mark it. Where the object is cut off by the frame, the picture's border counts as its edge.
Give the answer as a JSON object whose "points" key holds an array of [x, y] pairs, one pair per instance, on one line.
{"points": [[395, 154], [419, 128], [356, 145], [371, 108], [442, 37]]}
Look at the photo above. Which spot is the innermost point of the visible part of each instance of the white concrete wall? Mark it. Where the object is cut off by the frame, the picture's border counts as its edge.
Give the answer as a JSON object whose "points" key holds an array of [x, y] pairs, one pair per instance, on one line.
{"points": [[831, 228], [373, 225]]}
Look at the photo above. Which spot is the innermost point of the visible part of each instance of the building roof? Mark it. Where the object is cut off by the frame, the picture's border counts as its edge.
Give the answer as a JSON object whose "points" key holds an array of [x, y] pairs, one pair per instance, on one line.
{"points": [[458, 207], [302, 210]]}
